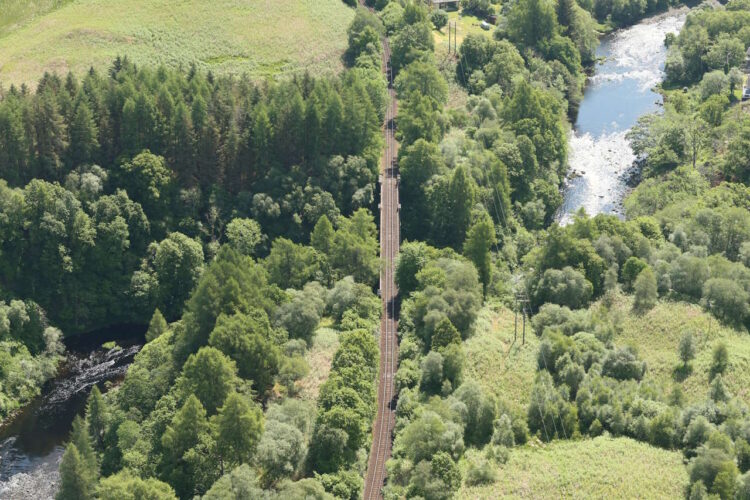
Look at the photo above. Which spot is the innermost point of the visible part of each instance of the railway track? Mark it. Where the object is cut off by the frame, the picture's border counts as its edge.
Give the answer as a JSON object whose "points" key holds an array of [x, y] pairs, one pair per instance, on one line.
{"points": [[385, 421]]}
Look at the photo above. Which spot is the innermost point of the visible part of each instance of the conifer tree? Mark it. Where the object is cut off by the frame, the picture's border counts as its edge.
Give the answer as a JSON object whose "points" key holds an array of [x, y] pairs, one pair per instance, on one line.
{"points": [[51, 136], [96, 416], [239, 426], [321, 238], [80, 437], [75, 482], [157, 326], [83, 135]]}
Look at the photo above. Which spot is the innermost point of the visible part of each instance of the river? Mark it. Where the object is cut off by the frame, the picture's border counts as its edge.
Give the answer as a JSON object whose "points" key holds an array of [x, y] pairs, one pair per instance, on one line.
{"points": [[32, 442], [620, 91]]}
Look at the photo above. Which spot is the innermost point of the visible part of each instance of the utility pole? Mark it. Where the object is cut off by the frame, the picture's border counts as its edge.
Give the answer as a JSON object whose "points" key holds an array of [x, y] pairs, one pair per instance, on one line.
{"points": [[522, 301], [455, 37], [449, 37]]}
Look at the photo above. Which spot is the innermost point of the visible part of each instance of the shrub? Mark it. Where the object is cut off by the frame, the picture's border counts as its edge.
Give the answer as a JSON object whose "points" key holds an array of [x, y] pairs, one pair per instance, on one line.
{"points": [[566, 287], [439, 18], [623, 364], [719, 360], [480, 471], [646, 293], [726, 299], [432, 373], [631, 269], [503, 431], [707, 465], [687, 348], [480, 412], [663, 430], [742, 449]]}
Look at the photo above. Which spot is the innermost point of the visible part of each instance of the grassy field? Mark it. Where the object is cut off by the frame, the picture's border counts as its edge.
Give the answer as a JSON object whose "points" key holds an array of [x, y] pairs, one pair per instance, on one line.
{"points": [[507, 369], [504, 368], [259, 37], [466, 24], [657, 335], [319, 357], [594, 468]]}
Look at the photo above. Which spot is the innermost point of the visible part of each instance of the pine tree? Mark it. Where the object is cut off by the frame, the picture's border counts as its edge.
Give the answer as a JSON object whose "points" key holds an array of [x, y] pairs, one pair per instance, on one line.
{"points": [[321, 238], [333, 122], [260, 142], [83, 135], [80, 437], [129, 128], [239, 427], [51, 136], [145, 119], [445, 334], [75, 482], [312, 130], [13, 143], [565, 12], [181, 157], [460, 201], [96, 416], [157, 326]]}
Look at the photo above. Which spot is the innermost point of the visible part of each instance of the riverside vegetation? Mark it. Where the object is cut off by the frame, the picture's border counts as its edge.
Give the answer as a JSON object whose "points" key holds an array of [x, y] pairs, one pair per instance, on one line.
{"points": [[236, 216]]}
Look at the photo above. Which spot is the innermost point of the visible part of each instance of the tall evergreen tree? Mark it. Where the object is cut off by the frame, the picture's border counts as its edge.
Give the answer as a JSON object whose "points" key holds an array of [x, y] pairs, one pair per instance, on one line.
{"points": [[96, 417], [75, 482], [83, 135], [80, 437], [460, 202], [157, 326], [50, 136], [239, 426], [181, 156]]}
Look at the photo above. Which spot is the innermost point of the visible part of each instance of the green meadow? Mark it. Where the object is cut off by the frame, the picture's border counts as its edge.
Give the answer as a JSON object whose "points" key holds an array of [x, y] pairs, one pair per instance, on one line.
{"points": [[258, 37], [602, 467]]}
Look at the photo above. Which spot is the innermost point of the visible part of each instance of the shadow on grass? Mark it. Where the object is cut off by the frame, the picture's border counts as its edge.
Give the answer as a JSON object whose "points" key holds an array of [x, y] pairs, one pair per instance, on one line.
{"points": [[681, 372]]}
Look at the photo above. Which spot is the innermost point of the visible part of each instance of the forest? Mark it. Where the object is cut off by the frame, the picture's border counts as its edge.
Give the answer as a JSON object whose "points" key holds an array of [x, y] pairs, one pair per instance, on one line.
{"points": [[236, 217]]}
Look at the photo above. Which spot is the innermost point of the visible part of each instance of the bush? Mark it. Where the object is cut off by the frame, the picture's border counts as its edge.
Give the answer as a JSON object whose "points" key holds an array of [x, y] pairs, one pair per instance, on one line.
{"points": [[631, 269], [439, 18], [687, 348], [623, 364], [662, 430], [726, 299], [719, 360], [742, 449], [480, 413], [480, 471], [708, 464], [566, 287], [432, 373], [503, 432], [646, 293]]}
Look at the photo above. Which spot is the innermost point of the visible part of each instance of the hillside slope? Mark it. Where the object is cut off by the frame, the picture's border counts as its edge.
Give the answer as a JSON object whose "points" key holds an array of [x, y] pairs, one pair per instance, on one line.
{"points": [[260, 37]]}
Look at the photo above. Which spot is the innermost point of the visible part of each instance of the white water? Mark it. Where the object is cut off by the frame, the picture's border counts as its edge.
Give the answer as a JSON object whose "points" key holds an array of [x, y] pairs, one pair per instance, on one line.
{"points": [[617, 95]]}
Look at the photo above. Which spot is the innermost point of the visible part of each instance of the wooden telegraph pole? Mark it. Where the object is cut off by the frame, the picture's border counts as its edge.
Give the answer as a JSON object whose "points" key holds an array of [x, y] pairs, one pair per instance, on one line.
{"points": [[522, 301]]}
